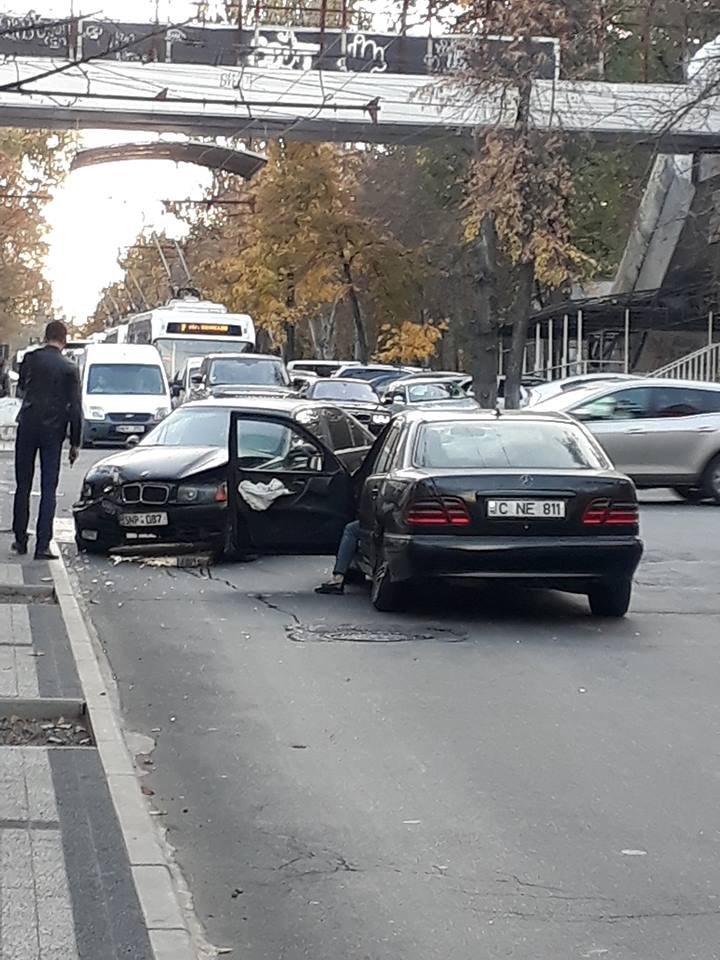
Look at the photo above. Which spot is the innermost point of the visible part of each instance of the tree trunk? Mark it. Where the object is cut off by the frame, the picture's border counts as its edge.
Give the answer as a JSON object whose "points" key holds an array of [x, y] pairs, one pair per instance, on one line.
{"points": [[290, 342], [362, 351], [482, 326], [519, 314]]}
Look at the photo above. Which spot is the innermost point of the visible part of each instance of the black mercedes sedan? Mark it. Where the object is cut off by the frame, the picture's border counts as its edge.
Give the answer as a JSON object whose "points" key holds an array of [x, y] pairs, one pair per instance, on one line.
{"points": [[354, 397], [172, 487], [518, 497]]}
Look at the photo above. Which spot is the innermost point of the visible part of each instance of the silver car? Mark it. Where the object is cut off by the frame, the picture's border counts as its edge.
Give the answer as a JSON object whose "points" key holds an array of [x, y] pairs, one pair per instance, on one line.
{"points": [[428, 393], [663, 433]]}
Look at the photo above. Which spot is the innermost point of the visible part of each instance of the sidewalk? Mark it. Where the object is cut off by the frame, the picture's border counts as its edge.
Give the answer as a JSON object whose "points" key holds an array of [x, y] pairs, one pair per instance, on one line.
{"points": [[83, 875]]}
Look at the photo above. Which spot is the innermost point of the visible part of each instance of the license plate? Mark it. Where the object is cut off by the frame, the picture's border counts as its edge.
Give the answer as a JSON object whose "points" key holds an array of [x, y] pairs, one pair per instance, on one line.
{"points": [[143, 519], [522, 509], [130, 428]]}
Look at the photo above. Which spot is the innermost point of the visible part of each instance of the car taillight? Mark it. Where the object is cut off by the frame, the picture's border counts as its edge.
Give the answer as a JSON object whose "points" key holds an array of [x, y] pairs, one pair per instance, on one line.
{"points": [[606, 513], [445, 512], [221, 494]]}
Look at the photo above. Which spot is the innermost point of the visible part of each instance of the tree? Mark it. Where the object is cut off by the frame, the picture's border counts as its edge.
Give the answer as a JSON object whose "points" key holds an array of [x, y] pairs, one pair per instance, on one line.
{"points": [[304, 258], [408, 343], [31, 163]]}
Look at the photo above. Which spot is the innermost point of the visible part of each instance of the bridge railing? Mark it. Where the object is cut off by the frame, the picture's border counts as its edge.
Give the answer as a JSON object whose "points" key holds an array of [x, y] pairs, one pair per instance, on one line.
{"points": [[702, 364]]}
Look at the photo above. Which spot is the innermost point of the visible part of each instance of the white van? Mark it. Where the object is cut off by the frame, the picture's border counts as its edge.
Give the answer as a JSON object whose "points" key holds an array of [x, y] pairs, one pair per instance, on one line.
{"points": [[125, 392]]}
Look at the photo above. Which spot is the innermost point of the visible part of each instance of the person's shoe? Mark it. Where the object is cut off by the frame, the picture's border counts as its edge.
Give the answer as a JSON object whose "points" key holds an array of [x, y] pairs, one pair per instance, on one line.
{"points": [[331, 587], [45, 553], [19, 547]]}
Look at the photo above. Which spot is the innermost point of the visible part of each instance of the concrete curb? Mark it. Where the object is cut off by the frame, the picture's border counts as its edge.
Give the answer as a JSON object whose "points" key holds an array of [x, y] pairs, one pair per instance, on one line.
{"points": [[159, 900]]}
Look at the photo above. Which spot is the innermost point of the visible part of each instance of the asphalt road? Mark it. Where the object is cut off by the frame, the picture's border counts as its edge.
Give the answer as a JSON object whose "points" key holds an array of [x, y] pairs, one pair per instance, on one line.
{"points": [[489, 776]]}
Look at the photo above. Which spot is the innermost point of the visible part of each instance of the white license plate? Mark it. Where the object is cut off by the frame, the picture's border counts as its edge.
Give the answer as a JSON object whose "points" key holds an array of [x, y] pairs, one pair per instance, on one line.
{"points": [[522, 509], [143, 519], [130, 428]]}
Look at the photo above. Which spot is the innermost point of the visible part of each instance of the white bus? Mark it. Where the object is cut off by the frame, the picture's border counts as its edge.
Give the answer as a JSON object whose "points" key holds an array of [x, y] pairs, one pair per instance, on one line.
{"points": [[116, 334], [190, 327]]}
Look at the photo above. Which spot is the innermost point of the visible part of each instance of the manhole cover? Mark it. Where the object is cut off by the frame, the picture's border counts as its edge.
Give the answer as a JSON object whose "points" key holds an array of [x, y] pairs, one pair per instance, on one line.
{"points": [[349, 633]]}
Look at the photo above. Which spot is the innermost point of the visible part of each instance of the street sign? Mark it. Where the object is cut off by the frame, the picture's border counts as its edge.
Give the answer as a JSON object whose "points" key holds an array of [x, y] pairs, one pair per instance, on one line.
{"points": [[290, 48]]}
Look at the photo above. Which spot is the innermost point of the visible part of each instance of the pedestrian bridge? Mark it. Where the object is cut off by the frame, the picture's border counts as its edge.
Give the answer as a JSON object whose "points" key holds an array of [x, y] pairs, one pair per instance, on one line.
{"points": [[315, 104]]}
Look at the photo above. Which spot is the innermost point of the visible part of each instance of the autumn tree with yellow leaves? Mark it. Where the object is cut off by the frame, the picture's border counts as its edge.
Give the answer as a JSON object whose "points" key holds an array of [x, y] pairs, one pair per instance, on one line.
{"points": [[31, 163], [316, 272]]}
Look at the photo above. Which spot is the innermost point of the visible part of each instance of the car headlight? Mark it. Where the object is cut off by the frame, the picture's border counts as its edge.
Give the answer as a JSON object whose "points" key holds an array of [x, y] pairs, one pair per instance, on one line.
{"points": [[380, 418], [202, 493], [161, 413], [96, 413]]}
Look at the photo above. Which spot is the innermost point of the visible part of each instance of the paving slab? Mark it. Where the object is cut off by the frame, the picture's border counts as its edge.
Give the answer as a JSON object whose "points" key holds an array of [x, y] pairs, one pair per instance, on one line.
{"points": [[14, 625]]}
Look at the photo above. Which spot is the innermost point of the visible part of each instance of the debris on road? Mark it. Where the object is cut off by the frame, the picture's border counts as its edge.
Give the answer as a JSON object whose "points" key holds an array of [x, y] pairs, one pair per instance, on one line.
{"points": [[20, 732]]}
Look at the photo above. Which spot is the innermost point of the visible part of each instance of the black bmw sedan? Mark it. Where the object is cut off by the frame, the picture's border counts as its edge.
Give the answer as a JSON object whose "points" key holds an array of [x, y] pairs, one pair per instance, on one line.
{"points": [[172, 487], [521, 497]]}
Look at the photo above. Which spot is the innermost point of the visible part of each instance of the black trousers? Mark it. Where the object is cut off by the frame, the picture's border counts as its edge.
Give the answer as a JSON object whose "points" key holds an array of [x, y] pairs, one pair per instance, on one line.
{"points": [[30, 441]]}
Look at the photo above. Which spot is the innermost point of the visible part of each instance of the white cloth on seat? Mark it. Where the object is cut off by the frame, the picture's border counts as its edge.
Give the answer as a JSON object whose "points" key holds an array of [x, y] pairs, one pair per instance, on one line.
{"points": [[259, 496]]}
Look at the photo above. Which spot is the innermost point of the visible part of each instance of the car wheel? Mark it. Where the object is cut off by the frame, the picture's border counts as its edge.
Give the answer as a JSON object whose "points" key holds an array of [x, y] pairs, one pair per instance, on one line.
{"points": [[384, 594], [610, 599], [691, 494], [711, 479]]}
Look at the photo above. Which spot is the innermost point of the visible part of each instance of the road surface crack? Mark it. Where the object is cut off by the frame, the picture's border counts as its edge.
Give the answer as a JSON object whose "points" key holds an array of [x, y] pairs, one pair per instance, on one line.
{"points": [[273, 606]]}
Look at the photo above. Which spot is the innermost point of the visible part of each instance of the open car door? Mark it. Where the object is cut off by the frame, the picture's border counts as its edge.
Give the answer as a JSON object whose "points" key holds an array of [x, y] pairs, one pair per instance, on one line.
{"points": [[287, 492]]}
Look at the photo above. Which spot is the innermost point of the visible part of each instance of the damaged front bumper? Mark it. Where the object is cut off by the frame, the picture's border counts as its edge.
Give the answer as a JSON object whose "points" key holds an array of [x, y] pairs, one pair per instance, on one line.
{"points": [[98, 525]]}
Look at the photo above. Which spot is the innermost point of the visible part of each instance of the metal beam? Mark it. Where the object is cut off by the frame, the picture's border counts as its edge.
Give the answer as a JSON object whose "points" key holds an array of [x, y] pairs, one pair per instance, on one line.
{"points": [[312, 104]]}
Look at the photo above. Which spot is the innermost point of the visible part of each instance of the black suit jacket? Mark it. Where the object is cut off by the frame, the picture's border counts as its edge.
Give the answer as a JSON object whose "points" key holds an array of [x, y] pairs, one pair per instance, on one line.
{"points": [[49, 385]]}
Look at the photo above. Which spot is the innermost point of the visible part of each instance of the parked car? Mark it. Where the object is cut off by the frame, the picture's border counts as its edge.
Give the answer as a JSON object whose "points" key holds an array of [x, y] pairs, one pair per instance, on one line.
{"points": [[238, 374], [525, 498], [371, 371], [321, 368], [354, 397], [182, 386], [553, 388], [125, 392], [426, 392], [172, 487], [663, 433]]}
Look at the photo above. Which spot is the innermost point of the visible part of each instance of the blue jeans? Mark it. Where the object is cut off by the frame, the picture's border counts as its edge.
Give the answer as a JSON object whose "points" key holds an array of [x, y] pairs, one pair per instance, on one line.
{"points": [[347, 549]]}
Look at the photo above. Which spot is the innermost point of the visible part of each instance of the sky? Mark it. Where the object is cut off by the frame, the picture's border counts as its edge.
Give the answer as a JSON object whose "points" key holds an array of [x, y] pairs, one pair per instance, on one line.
{"points": [[99, 211]]}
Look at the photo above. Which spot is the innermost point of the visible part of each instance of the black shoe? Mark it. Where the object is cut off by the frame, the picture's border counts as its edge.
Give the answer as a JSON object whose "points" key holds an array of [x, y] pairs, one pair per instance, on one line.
{"points": [[46, 554], [19, 547], [331, 587]]}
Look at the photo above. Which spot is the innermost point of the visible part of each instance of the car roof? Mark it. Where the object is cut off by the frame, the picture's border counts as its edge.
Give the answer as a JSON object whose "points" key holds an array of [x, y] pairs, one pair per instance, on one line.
{"points": [[353, 381], [428, 378], [598, 389], [118, 351], [425, 415], [241, 356], [259, 404]]}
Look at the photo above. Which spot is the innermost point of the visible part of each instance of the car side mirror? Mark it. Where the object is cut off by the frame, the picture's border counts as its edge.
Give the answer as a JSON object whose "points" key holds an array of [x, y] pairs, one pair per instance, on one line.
{"points": [[196, 379], [387, 399], [175, 389], [132, 441]]}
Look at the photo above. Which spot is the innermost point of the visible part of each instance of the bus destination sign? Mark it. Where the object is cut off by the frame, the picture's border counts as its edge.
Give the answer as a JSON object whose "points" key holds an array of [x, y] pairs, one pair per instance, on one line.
{"points": [[206, 329]]}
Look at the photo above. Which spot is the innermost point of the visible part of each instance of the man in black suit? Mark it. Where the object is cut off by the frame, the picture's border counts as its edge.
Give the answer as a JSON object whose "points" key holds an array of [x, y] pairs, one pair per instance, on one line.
{"points": [[49, 385]]}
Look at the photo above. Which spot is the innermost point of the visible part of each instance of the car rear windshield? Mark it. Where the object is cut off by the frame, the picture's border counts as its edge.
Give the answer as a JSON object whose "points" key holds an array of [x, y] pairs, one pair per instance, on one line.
{"points": [[502, 445], [125, 378], [340, 390], [239, 372]]}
